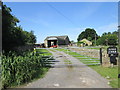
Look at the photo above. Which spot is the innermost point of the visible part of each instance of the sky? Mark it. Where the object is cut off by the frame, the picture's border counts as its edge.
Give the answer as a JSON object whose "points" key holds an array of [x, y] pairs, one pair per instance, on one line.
{"points": [[65, 18]]}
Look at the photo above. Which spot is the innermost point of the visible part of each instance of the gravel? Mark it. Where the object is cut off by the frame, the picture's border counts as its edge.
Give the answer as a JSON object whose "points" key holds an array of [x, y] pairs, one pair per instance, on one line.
{"points": [[76, 75]]}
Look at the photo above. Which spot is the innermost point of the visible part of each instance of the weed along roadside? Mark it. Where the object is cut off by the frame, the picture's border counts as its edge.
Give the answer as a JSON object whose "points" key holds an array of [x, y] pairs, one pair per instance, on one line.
{"points": [[20, 69], [69, 64], [110, 73]]}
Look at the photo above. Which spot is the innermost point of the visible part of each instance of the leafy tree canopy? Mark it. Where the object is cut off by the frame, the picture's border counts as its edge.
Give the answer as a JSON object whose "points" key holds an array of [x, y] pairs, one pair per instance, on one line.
{"points": [[13, 35], [89, 34], [108, 38]]}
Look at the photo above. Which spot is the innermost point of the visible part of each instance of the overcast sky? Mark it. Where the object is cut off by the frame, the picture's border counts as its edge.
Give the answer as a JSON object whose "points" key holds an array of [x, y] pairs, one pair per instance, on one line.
{"points": [[65, 18]]}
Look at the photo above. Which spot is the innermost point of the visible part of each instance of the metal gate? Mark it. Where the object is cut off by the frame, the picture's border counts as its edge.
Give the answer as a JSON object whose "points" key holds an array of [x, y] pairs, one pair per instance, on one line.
{"points": [[87, 55]]}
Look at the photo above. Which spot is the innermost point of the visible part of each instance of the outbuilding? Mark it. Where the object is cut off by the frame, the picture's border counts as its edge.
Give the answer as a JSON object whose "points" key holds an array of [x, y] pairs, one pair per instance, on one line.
{"points": [[58, 41], [85, 42]]}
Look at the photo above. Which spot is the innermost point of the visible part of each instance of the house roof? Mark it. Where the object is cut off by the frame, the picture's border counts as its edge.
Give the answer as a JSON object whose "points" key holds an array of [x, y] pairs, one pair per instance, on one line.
{"points": [[56, 37]]}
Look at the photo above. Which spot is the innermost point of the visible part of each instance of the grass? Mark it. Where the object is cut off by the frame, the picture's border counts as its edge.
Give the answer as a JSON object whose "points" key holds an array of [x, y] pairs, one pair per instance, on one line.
{"points": [[81, 57], [52, 50], [95, 48], [67, 62], [43, 52], [109, 72]]}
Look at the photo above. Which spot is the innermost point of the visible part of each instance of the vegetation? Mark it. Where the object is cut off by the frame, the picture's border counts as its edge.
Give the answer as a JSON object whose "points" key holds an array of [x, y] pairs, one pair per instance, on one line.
{"points": [[67, 62], [89, 34], [110, 73], [84, 59], [13, 35], [17, 70], [19, 67], [43, 52], [52, 50], [110, 38]]}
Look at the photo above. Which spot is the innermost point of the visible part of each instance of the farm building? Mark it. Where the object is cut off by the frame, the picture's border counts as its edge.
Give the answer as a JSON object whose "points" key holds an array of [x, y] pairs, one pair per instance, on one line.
{"points": [[57, 41], [41, 45], [85, 42]]}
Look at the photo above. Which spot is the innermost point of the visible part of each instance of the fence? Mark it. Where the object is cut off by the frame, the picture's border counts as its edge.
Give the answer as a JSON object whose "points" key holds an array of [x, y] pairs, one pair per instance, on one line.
{"points": [[88, 55]]}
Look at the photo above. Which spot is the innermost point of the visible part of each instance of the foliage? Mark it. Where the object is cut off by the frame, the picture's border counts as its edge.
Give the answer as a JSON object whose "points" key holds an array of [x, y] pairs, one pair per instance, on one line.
{"points": [[108, 39], [80, 42], [19, 69], [72, 41], [13, 35], [89, 34]]}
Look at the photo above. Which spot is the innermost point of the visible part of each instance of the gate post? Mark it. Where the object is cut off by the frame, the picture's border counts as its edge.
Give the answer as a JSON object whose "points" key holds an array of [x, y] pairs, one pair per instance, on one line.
{"points": [[101, 56]]}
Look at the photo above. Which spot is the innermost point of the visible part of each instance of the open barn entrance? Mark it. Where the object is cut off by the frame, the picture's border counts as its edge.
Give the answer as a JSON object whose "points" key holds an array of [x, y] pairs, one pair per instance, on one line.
{"points": [[52, 43]]}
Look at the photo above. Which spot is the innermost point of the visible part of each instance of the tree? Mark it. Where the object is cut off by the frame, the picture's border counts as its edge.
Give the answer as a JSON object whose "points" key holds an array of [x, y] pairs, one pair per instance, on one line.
{"points": [[112, 39], [13, 35], [89, 34], [8, 27], [115, 32], [108, 39], [104, 34]]}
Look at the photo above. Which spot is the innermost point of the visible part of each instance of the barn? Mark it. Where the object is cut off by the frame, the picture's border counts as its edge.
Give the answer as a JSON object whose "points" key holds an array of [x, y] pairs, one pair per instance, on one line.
{"points": [[58, 41]]}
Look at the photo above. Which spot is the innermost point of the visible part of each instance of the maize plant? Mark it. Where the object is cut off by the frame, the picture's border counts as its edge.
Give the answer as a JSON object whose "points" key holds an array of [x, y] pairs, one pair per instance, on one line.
{"points": [[20, 69]]}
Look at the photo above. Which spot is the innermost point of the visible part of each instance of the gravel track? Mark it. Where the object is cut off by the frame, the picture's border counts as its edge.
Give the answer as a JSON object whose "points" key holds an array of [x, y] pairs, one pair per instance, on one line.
{"points": [[69, 75]]}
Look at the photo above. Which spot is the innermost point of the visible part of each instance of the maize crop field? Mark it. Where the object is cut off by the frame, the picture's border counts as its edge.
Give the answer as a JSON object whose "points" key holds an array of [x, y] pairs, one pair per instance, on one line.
{"points": [[17, 70]]}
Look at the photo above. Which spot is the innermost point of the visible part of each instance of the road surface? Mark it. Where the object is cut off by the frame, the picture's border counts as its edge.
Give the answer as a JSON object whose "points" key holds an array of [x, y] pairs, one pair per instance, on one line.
{"points": [[69, 72]]}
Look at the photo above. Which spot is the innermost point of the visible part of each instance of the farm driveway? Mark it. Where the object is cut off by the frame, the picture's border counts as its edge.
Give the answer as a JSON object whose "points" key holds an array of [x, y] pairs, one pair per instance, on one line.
{"points": [[72, 74]]}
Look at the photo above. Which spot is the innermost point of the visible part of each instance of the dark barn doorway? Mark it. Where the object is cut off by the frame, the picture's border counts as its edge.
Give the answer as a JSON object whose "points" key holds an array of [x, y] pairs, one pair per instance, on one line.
{"points": [[52, 43]]}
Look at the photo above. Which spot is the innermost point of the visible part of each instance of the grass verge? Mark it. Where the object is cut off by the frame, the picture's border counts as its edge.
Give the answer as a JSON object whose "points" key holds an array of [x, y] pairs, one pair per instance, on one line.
{"points": [[110, 73], [43, 52]]}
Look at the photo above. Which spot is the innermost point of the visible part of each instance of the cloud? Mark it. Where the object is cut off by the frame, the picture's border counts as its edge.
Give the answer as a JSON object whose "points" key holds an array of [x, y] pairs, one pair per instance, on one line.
{"points": [[107, 28]]}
